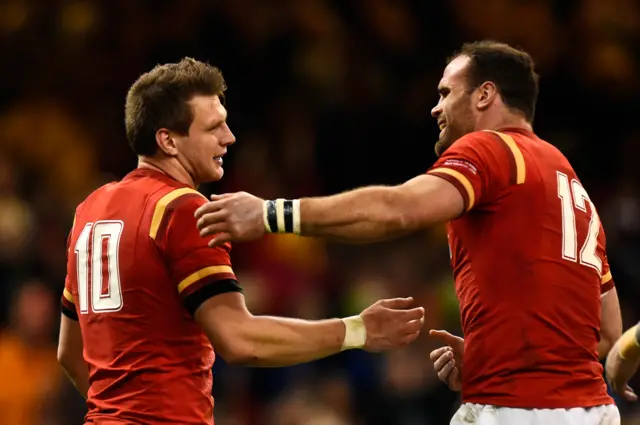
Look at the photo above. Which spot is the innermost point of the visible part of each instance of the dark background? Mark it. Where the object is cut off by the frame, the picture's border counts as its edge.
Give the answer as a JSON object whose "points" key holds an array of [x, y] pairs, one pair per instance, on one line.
{"points": [[323, 96]]}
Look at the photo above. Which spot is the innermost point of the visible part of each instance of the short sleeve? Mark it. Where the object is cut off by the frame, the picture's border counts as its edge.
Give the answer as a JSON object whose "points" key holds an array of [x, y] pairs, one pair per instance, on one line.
{"points": [[199, 272], [481, 165], [67, 305]]}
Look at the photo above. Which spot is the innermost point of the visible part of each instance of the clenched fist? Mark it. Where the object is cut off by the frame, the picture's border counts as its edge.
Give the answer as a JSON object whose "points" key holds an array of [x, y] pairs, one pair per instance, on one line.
{"points": [[231, 216]]}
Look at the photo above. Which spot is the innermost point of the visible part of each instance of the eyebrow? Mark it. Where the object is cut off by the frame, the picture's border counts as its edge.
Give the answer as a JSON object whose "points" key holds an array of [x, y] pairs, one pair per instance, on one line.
{"points": [[216, 123]]}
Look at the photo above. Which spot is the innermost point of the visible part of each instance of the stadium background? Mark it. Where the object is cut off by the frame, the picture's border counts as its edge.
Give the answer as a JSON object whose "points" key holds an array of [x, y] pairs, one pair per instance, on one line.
{"points": [[323, 96]]}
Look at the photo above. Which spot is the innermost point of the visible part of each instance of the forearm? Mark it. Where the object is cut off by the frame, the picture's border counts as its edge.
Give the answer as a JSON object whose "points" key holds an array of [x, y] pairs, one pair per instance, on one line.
{"points": [[363, 215], [610, 323], [276, 341], [78, 373]]}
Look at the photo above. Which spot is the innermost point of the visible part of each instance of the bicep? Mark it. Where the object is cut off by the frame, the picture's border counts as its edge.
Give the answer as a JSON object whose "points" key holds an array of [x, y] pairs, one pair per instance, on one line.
{"points": [[429, 199]]}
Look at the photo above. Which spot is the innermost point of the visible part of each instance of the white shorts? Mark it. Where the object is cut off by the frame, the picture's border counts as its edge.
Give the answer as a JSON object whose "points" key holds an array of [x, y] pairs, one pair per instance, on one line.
{"points": [[480, 414]]}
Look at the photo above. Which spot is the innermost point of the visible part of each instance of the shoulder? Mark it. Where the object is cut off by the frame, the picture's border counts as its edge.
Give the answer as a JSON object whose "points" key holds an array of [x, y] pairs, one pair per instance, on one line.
{"points": [[174, 203]]}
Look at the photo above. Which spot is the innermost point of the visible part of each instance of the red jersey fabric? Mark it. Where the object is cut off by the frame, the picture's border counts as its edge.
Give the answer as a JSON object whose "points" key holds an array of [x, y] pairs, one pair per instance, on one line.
{"points": [[137, 269], [529, 261]]}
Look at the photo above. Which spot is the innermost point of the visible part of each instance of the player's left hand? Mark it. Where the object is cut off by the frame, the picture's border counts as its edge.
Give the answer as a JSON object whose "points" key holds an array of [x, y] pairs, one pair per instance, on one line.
{"points": [[447, 360], [231, 216], [619, 371]]}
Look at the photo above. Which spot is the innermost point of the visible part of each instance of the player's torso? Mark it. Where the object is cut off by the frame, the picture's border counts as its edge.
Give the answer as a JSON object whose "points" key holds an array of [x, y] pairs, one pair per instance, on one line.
{"points": [[528, 268], [147, 357]]}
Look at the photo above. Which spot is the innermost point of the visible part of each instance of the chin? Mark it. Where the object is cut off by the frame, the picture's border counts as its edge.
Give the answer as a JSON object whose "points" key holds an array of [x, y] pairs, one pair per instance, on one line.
{"points": [[216, 174], [210, 176], [441, 146]]}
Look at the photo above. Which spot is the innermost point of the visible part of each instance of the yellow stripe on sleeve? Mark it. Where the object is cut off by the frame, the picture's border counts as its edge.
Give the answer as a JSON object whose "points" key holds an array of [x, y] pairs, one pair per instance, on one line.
{"points": [[606, 278], [162, 204], [202, 273], [629, 345], [68, 296], [464, 181], [521, 170]]}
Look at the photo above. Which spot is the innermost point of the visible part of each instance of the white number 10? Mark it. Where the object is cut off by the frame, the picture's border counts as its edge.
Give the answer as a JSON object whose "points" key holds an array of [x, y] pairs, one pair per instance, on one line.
{"points": [[105, 233], [588, 256]]}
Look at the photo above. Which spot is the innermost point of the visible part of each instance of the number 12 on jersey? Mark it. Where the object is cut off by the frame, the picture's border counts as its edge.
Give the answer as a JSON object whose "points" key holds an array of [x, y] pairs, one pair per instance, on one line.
{"points": [[102, 244], [588, 256]]}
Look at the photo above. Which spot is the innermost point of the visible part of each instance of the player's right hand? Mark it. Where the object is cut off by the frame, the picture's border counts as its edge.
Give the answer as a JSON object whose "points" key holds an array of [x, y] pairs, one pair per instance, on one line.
{"points": [[447, 360], [391, 324], [231, 216]]}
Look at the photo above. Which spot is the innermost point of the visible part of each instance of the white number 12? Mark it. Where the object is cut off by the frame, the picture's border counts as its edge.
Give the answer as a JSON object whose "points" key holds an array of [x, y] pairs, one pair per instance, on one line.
{"points": [[104, 233], [588, 256]]}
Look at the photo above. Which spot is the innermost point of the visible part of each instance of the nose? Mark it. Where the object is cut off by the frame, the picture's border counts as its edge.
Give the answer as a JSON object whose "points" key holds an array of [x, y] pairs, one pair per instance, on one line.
{"points": [[436, 111], [229, 138]]}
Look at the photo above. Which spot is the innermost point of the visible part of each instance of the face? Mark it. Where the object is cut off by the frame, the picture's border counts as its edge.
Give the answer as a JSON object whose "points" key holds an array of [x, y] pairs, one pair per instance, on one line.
{"points": [[200, 152], [454, 110]]}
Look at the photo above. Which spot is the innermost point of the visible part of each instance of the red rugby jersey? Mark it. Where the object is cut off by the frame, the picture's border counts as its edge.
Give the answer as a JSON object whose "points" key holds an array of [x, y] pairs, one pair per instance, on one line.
{"points": [[529, 262], [137, 269]]}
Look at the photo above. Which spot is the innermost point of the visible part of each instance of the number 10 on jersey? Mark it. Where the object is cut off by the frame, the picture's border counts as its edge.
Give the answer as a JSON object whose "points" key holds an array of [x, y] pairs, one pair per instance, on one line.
{"points": [[100, 241], [587, 255]]}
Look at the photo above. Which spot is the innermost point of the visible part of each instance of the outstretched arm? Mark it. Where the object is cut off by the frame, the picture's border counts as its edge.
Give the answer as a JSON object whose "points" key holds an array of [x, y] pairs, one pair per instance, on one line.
{"points": [[379, 212], [362, 215], [267, 341]]}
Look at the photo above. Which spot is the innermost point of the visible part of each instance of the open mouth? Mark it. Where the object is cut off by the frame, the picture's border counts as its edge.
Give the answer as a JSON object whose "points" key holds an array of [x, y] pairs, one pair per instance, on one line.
{"points": [[218, 159], [442, 125]]}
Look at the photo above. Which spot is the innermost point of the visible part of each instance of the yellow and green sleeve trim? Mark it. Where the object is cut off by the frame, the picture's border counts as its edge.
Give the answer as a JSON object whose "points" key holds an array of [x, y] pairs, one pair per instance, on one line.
{"points": [[629, 343]]}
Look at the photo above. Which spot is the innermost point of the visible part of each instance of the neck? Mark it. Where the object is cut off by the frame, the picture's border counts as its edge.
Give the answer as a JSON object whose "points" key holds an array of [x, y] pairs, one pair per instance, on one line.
{"points": [[169, 166], [504, 120]]}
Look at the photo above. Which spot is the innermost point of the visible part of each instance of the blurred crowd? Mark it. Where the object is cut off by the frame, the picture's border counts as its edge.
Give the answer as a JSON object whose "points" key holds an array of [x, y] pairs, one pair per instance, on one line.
{"points": [[323, 96]]}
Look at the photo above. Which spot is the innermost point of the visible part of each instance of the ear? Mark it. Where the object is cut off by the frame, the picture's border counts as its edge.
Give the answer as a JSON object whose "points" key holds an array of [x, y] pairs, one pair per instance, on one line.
{"points": [[487, 94], [166, 142]]}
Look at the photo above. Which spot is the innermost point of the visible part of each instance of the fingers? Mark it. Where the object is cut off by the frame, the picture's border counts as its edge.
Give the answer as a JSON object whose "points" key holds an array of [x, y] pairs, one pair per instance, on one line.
{"points": [[442, 361], [413, 314], [445, 372], [414, 326], [207, 208], [220, 196], [397, 303], [438, 352], [444, 337], [629, 394], [211, 218], [219, 239], [213, 229], [439, 334]]}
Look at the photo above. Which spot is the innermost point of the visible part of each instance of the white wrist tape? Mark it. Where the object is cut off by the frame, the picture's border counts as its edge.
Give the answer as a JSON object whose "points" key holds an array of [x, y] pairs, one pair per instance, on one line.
{"points": [[355, 334], [281, 216]]}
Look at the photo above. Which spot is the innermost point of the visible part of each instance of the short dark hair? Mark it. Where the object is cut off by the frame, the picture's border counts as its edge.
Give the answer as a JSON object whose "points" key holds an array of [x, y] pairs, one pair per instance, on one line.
{"points": [[510, 69], [158, 99]]}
